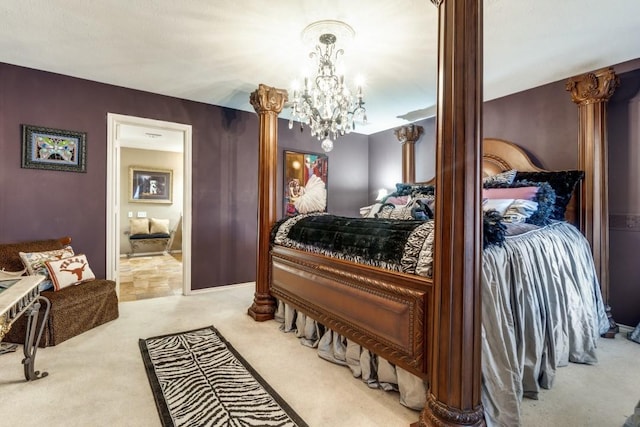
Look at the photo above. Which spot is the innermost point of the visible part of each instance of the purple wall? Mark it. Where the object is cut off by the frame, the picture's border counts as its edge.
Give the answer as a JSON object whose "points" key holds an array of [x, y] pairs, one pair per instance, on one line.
{"points": [[36, 204], [543, 121], [623, 116], [385, 158]]}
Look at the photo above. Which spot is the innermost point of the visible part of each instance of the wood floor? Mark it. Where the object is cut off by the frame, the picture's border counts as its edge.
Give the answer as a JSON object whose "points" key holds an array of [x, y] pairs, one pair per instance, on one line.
{"points": [[143, 277]]}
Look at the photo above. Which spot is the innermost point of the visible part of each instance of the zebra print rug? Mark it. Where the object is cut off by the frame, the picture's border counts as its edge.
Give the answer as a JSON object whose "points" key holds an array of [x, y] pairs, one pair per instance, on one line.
{"points": [[199, 379]]}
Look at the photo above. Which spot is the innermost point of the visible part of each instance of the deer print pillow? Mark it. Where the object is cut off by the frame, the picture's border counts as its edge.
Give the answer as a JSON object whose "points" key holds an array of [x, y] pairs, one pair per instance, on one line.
{"points": [[69, 271]]}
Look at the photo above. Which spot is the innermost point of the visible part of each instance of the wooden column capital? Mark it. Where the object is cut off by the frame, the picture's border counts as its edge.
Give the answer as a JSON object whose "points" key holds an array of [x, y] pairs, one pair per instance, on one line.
{"points": [[409, 133], [268, 102], [407, 136], [597, 86], [267, 99]]}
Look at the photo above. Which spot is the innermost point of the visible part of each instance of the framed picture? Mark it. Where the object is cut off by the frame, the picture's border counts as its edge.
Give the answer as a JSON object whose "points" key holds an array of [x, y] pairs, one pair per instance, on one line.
{"points": [[305, 182], [150, 185], [53, 149]]}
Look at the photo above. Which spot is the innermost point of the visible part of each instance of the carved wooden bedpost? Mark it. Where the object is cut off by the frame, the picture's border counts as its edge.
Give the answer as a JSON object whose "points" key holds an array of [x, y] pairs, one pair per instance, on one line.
{"points": [[268, 103], [591, 92], [408, 135], [453, 398]]}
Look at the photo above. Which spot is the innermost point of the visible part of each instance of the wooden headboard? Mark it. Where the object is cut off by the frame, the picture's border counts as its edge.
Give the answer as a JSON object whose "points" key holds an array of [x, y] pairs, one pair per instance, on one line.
{"points": [[500, 155]]}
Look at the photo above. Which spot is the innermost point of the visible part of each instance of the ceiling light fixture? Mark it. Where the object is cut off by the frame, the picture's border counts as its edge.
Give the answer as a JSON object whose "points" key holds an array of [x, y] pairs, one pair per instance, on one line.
{"points": [[325, 103]]}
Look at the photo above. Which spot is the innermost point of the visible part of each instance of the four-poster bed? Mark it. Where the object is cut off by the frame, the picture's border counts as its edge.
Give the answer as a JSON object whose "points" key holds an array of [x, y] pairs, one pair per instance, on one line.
{"points": [[527, 286], [430, 327], [394, 314]]}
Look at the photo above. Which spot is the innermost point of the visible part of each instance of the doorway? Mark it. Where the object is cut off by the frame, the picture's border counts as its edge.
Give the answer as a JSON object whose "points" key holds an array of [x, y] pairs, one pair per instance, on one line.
{"points": [[147, 134]]}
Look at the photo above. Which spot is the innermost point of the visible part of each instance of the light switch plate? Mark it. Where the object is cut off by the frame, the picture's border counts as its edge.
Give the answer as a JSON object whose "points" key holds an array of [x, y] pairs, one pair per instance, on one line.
{"points": [[142, 214]]}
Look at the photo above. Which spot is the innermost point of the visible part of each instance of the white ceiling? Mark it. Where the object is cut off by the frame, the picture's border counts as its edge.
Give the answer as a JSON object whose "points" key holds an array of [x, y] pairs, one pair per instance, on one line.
{"points": [[217, 52]]}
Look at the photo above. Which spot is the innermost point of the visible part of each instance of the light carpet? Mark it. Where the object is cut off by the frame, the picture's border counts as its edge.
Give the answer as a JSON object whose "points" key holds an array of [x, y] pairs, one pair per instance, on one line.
{"points": [[199, 379], [96, 379]]}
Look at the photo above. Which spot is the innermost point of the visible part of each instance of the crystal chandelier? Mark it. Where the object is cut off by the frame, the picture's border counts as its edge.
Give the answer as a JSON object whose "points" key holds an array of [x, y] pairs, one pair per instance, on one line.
{"points": [[325, 103]]}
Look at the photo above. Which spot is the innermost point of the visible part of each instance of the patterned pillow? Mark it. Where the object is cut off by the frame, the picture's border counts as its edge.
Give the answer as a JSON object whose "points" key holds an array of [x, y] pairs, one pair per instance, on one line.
{"points": [[423, 208], [519, 211], [545, 197], [397, 200], [69, 271], [404, 189], [395, 212], [505, 177], [500, 205], [34, 262]]}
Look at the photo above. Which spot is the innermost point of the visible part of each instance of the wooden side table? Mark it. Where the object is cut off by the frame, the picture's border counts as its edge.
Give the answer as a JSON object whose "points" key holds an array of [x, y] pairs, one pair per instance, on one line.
{"points": [[21, 296]]}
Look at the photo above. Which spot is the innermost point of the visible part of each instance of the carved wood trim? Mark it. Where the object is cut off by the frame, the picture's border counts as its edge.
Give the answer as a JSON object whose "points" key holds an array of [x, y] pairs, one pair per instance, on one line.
{"points": [[440, 411], [268, 103], [597, 86], [401, 302]]}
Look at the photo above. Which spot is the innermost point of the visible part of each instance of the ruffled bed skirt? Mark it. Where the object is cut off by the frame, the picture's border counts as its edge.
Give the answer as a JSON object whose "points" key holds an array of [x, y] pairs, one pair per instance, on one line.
{"points": [[375, 371]]}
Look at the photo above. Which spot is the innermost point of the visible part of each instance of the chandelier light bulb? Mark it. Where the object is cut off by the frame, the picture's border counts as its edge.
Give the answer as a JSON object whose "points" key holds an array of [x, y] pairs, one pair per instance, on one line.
{"points": [[325, 103]]}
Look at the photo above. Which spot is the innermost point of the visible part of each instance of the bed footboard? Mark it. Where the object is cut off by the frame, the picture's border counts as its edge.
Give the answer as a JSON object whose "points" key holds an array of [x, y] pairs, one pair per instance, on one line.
{"points": [[386, 312]]}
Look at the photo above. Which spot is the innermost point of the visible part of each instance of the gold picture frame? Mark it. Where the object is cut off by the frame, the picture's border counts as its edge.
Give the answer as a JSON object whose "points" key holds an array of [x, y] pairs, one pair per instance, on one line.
{"points": [[150, 185], [298, 169]]}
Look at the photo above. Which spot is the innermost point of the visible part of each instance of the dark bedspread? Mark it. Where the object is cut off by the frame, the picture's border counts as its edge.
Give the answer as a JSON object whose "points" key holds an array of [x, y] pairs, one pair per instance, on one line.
{"points": [[398, 245], [372, 238]]}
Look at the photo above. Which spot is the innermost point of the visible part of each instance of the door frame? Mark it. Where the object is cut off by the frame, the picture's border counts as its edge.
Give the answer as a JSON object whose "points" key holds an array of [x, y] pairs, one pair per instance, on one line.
{"points": [[113, 193]]}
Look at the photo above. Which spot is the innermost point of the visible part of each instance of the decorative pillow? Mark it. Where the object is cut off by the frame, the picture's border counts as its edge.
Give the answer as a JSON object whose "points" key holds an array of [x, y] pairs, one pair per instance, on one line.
{"points": [[139, 226], [34, 262], [426, 203], [505, 177], [519, 211], [69, 271], [545, 197], [159, 226], [421, 210], [500, 205], [405, 189], [526, 193], [370, 211], [389, 211], [397, 200], [562, 182], [423, 191]]}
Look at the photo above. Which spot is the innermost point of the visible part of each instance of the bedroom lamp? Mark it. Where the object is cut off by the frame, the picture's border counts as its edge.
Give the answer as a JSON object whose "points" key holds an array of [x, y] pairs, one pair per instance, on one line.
{"points": [[382, 193], [325, 103]]}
